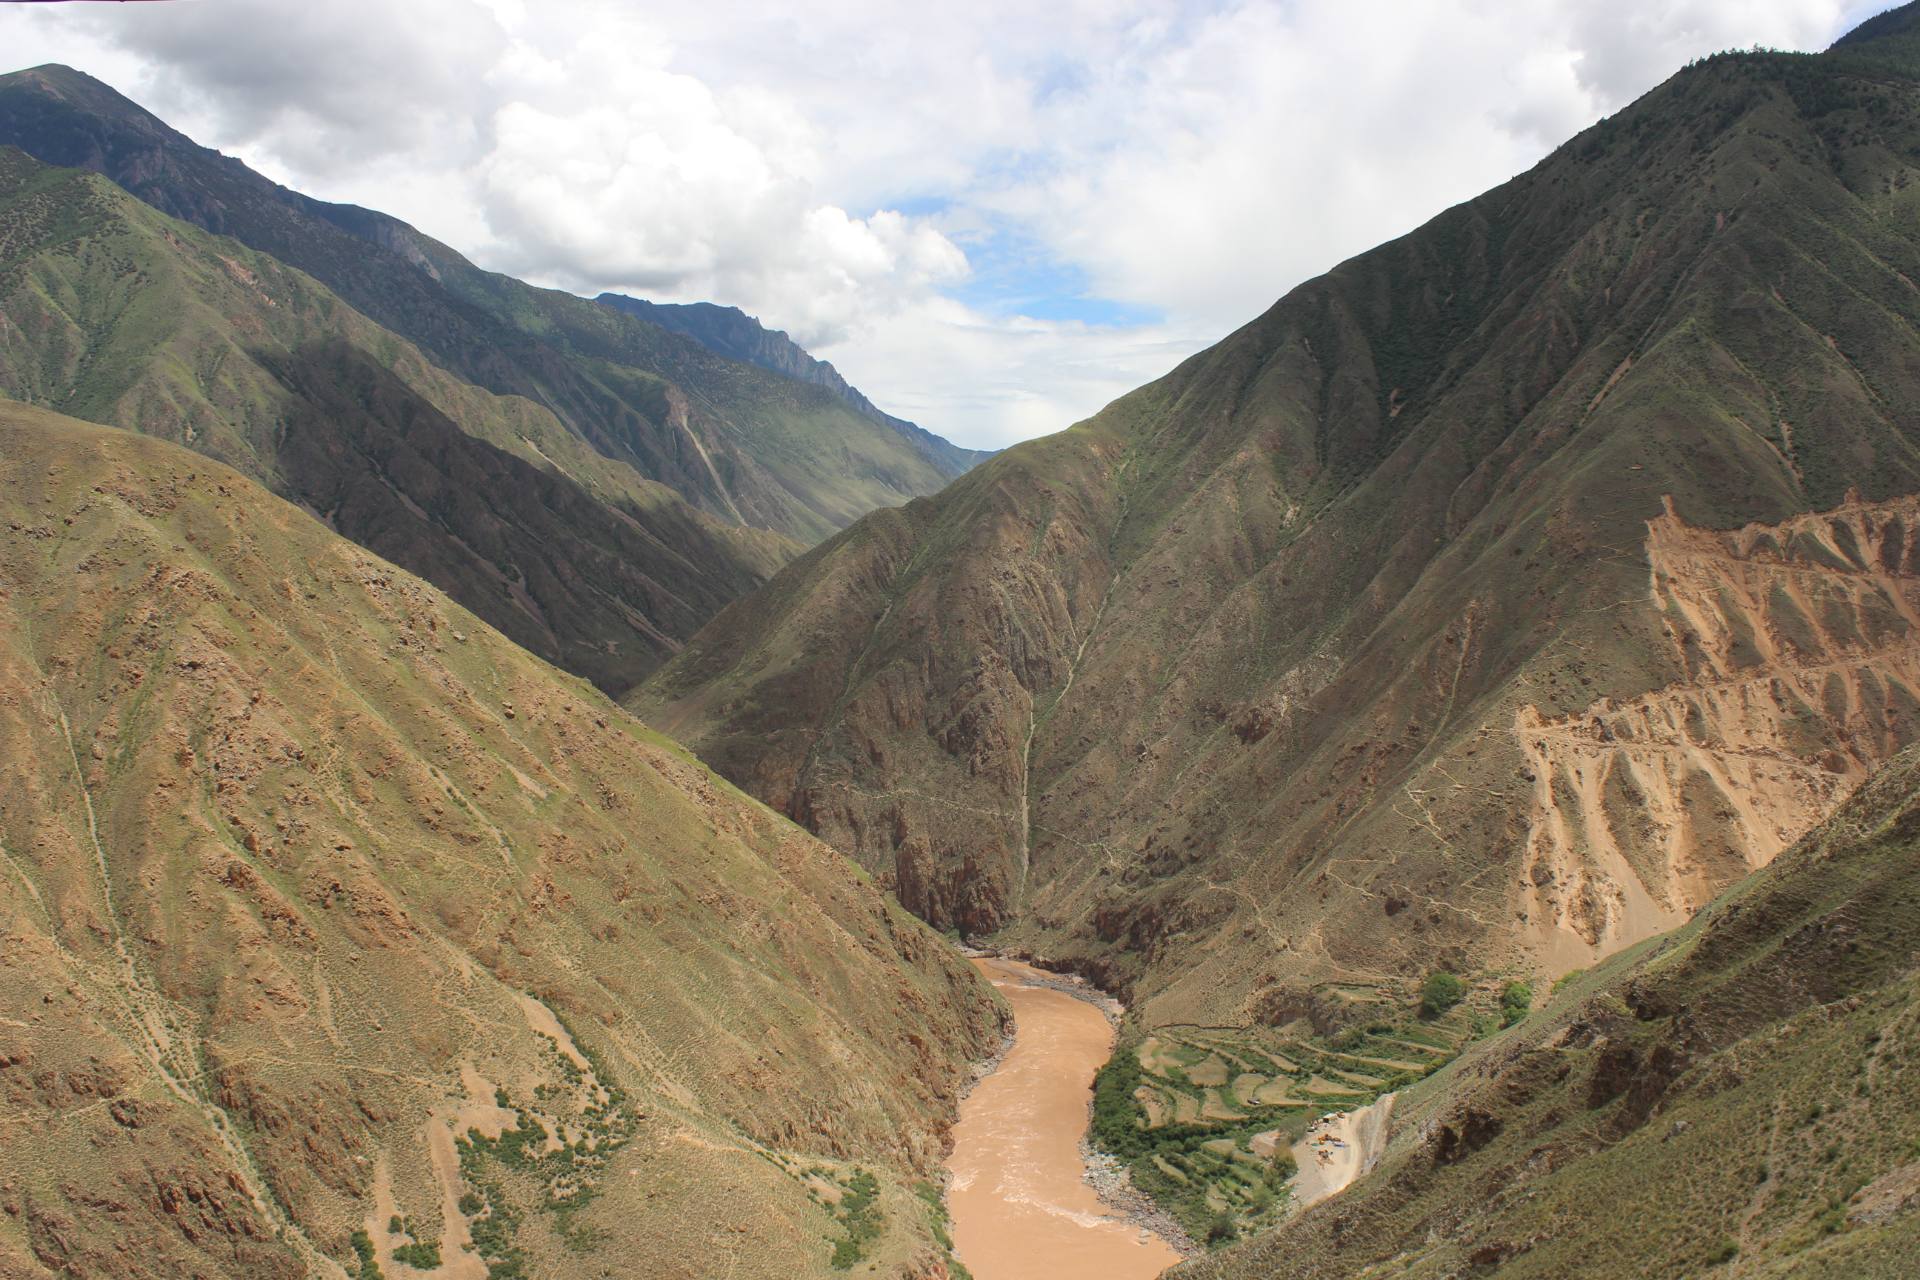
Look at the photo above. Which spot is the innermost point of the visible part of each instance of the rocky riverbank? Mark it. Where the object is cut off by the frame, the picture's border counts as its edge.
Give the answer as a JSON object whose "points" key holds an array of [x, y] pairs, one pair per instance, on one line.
{"points": [[1025, 1195], [1114, 1185], [1106, 1175]]}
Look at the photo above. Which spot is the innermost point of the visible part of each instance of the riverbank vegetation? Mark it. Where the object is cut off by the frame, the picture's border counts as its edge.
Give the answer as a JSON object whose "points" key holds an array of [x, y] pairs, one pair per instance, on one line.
{"points": [[1205, 1118]]}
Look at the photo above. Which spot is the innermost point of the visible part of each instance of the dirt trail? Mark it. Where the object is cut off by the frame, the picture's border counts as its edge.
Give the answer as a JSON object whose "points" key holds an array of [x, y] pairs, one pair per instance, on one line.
{"points": [[1022, 1208], [1340, 1149], [459, 1259]]}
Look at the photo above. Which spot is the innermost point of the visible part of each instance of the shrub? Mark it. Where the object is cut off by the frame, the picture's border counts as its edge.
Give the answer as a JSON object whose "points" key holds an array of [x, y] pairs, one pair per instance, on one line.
{"points": [[1441, 992], [424, 1255], [1117, 1115], [1515, 1002], [860, 1217], [369, 1264]]}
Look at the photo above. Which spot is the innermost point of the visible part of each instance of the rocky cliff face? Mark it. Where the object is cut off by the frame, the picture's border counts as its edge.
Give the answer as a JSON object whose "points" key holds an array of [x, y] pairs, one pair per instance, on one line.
{"points": [[324, 908], [1301, 663]]}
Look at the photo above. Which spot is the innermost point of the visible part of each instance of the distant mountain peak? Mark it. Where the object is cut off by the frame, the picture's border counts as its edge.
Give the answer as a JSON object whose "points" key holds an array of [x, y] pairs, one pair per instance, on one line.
{"points": [[736, 440], [96, 96], [731, 332], [1893, 22]]}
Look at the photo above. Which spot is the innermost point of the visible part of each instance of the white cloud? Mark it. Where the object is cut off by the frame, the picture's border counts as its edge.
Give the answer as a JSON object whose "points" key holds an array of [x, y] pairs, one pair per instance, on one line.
{"points": [[670, 188], [1262, 143], [830, 168], [1009, 379]]}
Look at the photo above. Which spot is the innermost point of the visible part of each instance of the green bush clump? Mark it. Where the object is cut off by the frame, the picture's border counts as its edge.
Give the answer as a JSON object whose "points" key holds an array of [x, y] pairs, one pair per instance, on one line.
{"points": [[936, 1214], [363, 1249], [570, 1173], [1441, 992], [493, 1229], [1515, 1002], [860, 1218], [1117, 1117], [424, 1254]]}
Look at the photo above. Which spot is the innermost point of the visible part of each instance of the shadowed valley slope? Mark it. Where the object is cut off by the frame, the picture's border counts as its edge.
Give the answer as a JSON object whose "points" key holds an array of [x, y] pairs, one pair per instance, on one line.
{"points": [[119, 314], [740, 442]]}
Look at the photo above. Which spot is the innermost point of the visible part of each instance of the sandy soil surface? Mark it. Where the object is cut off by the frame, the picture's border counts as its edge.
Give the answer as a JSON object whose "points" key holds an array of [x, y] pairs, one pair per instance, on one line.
{"points": [[1339, 1149], [1022, 1208]]}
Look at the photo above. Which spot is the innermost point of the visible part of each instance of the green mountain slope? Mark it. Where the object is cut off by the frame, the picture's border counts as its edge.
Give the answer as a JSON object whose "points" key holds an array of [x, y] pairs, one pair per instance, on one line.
{"points": [[733, 333], [1493, 601], [118, 314], [1738, 1099], [333, 925], [737, 441]]}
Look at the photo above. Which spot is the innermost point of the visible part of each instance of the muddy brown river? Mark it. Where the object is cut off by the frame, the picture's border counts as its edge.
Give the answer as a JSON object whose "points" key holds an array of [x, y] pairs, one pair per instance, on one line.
{"points": [[1021, 1208]]}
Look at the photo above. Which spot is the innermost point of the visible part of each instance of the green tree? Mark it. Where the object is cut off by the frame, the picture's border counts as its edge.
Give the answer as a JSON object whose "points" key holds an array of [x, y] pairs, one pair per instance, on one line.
{"points": [[1515, 1002], [1441, 993]]}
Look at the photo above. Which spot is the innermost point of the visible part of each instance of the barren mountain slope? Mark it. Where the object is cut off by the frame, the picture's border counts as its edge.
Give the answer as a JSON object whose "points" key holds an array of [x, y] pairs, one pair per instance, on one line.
{"points": [[1493, 600], [324, 908], [1740, 1099], [739, 442], [118, 314]]}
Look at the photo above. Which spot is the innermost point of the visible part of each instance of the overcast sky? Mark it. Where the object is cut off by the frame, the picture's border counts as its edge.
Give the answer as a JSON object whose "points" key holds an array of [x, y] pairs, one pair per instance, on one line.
{"points": [[993, 217]]}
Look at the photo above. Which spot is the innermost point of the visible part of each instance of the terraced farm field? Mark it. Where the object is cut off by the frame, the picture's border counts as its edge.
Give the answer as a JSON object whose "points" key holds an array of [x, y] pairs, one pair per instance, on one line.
{"points": [[1205, 1117]]}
